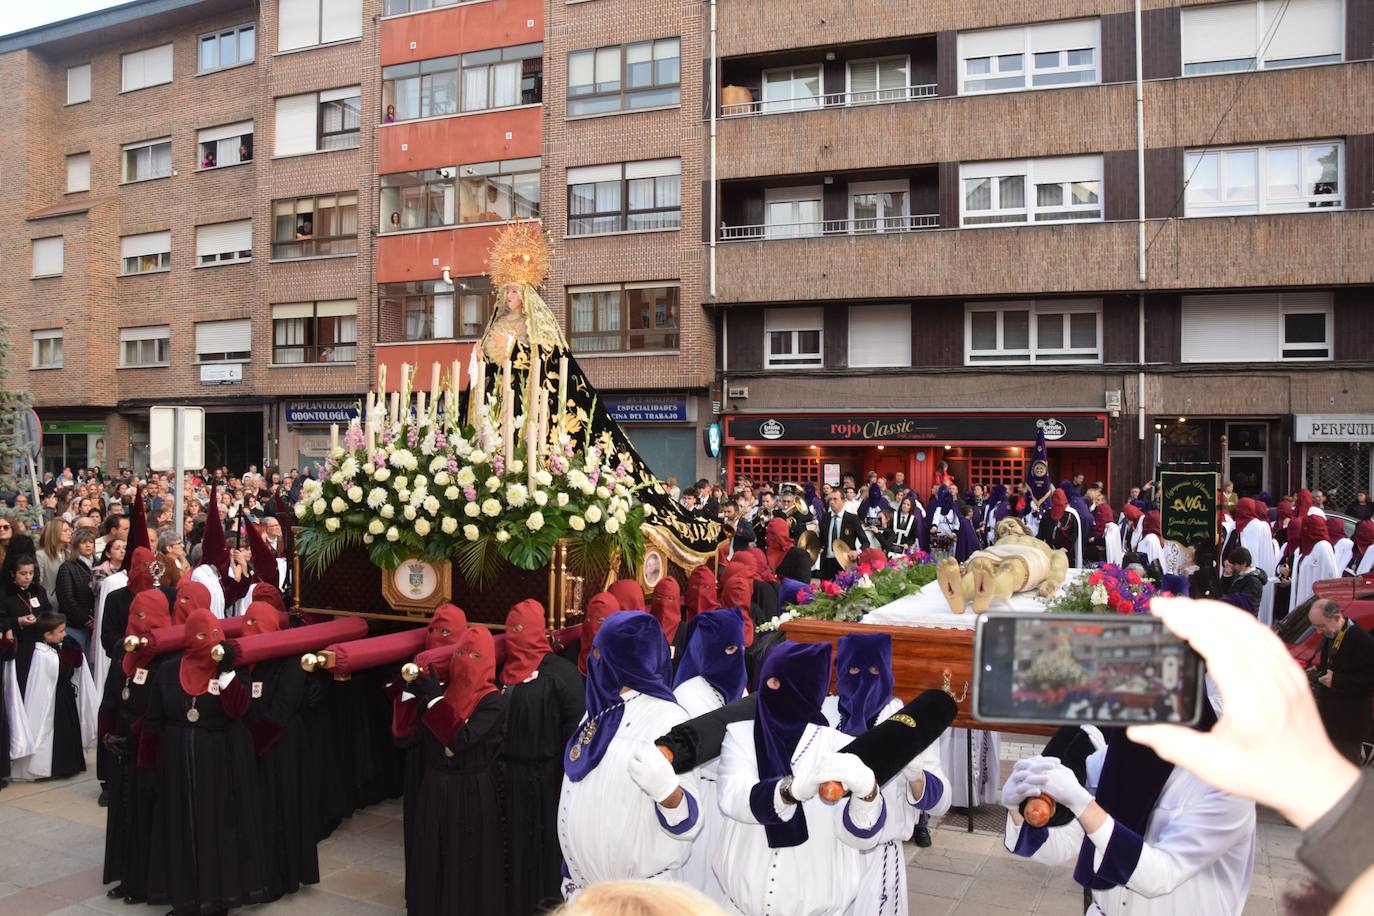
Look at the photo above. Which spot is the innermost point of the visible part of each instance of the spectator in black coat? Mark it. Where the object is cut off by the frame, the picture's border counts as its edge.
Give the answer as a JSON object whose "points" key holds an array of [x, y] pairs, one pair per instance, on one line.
{"points": [[75, 596]]}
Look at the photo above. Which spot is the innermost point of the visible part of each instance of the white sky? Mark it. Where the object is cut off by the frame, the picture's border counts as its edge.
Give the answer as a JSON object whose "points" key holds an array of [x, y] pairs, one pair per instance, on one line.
{"points": [[17, 15]]}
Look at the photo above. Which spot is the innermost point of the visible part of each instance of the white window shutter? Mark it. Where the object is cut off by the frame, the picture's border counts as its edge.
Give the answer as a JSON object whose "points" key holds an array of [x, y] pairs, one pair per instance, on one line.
{"points": [[1064, 36], [1309, 28], [47, 256], [234, 335], [343, 19], [1234, 328], [146, 332], [224, 238], [159, 65], [228, 131], [78, 84], [78, 172], [293, 310], [806, 319], [345, 92], [653, 168], [298, 24], [1066, 168], [336, 308], [135, 246], [991, 42], [296, 123], [880, 335], [589, 174], [1223, 31]]}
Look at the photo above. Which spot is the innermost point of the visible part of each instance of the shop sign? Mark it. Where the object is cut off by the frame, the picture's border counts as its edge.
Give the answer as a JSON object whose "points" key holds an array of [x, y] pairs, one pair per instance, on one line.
{"points": [[1342, 428], [1086, 429], [711, 437], [1188, 506], [221, 374], [74, 426], [647, 408], [317, 413]]}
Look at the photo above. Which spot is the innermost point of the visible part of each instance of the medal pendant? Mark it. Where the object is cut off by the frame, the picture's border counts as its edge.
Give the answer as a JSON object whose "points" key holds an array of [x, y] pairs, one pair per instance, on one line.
{"points": [[575, 752], [124, 694], [193, 715]]}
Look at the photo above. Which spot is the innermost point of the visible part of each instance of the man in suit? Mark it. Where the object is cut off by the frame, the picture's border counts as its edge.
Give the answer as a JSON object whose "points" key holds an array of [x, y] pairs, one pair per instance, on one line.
{"points": [[837, 525], [1343, 677]]}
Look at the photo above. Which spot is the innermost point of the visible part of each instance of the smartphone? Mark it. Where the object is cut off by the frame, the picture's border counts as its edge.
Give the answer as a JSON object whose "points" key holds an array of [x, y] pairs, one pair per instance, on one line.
{"points": [[1077, 669]]}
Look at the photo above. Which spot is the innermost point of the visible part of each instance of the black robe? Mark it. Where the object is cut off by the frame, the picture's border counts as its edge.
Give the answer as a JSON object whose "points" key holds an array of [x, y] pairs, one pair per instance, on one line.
{"points": [[68, 756], [796, 565], [132, 790], [540, 717], [288, 771], [17, 604], [206, 849], [114, 623], [457, 848], [8, 648]]}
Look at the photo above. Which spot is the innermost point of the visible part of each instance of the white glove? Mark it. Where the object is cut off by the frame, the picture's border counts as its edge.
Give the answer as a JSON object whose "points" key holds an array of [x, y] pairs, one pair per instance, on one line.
{"points": [[1018, 788], [805, 781], [652, 772], [1057, 781], [849, 770]]}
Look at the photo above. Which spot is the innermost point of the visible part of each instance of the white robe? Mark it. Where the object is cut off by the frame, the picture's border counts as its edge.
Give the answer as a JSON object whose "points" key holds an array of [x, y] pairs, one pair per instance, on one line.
{"points": [[1366, 563], [241, 606], [208, 576], [1152, 548], [1317, 566], [698, 697], [987, 766], [21, 741], [1344, 550], [1111, 538], [100, 662], [883, 888], [608, 828], [818, 878], [40, 711], [1198, 855]]}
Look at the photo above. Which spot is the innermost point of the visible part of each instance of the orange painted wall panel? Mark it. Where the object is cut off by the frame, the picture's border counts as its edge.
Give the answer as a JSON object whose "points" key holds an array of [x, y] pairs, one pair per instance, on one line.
{"points": [[413, 256], [460, 140], [458, 29], [424, 356]]}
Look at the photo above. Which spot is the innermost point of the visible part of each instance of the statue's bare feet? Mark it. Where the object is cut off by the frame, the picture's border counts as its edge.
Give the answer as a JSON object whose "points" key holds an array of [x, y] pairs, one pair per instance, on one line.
{"points": [[1048, 588], [951, 583], [983, 583]]}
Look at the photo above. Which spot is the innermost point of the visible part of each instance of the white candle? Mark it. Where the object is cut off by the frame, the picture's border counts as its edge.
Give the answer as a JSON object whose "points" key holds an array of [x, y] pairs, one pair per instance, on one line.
{"points": [[369, 428], [434, 380], [533, 395], [381, 379], [395, 416], [507, 415], [419, 405], [333, 437]]}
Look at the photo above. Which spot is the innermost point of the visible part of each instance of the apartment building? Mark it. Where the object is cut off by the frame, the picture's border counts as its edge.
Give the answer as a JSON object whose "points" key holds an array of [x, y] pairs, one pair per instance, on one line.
{"points": [[190, 197], [937, 233]]}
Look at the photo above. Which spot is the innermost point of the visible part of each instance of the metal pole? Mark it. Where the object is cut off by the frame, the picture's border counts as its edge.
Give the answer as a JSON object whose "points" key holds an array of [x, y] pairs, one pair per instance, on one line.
{"points": [[712, 214], [968, 774], [178, 467]]}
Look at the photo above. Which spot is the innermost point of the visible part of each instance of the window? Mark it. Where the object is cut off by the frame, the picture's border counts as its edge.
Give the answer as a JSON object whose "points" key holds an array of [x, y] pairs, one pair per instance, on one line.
{"points": [[1257, 327], [1018, 192], [47, 257], [1267, 35], [791, 213], [303, 23], [231, 144], [147, 159], [308, 227], [150, 345], [792, 338], [315, 332], [434, 310], [879, 335], [879, 206], [1040, 56], [792, 89], [623, 317], [1047, 331], [625, 198], [78, 172], [78, 84], [316, 121], [224, 243], [47, 349], [885, 80], [624, 77], [478, 81], [486, 192], [229, 48], [150, 67], [227, 341], [397, 7], [1265, 179], [150, 252]]}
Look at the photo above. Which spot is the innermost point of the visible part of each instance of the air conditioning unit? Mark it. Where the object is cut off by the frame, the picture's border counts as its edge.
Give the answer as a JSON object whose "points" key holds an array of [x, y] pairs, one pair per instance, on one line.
{"points": [[739, 392]]}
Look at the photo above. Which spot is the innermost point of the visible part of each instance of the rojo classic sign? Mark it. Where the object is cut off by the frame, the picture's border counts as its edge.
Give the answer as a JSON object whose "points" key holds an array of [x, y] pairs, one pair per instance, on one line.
{"points": [[1188, 506]]}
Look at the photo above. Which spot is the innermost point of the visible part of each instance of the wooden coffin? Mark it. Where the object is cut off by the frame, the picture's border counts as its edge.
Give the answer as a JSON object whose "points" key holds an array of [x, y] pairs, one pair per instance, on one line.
{"points": [[923, 658]]}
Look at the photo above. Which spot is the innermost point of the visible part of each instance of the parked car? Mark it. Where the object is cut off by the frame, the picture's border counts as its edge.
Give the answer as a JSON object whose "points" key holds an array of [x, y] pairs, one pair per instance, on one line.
{"points": [[1356, 598]]}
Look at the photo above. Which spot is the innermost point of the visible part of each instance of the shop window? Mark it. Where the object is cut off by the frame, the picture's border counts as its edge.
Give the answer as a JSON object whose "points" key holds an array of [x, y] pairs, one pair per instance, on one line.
{"points": [[775, 468], [990, 471]]}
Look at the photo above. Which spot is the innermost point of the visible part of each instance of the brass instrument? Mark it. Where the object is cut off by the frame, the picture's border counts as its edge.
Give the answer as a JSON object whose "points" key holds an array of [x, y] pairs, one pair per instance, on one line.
{"points": [[134, 643], [845, 555]]}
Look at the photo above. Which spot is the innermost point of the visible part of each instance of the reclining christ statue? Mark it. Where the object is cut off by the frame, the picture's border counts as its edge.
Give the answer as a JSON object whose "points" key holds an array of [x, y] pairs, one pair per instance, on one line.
{"points": [[1017, 562]]}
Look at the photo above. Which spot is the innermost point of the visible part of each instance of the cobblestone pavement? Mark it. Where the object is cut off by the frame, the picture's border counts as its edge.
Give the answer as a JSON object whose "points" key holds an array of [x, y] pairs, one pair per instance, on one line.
{"points": [[52, 840]]}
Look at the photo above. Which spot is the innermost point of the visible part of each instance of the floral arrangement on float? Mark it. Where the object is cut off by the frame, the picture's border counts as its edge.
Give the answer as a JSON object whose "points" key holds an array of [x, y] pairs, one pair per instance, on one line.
{"points": [[1109, 589], [419, 481], [867, 586]]}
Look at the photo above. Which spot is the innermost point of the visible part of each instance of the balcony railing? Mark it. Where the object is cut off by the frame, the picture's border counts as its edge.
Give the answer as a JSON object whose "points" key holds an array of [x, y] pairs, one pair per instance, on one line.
{"points": [[831, 100], [866, 226]]}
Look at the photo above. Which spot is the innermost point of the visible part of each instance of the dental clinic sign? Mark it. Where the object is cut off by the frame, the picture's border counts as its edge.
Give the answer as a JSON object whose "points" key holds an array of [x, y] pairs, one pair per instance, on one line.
{"points": [[1336, 428]]}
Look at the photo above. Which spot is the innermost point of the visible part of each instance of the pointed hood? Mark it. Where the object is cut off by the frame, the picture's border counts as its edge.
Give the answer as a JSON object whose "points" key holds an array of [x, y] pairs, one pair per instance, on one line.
{"points": [[701, 591], [147, 613], [802, 673], [1314, 532], [666, 606], [863, 679], [629, 594], [599, 607], [779, 540], [472, 672], [191, 596], [1038, 471], [526, 644], [203, 633], [141, 576], [138, 531], [263, 559], [214, 550], [715, 651]]}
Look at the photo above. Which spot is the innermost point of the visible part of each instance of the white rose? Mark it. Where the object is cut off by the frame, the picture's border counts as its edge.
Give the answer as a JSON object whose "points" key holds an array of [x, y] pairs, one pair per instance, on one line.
{"points": [[541, 498], [452, 493], [612, 526], [493, 483], [422, 526], [376, 526], [620, 516], [543, 477], [575, 523], [300, 510], [466, 477], [431, 505], [403, 495], [535, 521], [441, 479], [319, 506], [621, 490], [472, 510], [382, 475], [477, 456], [355, 493], [369, 470], [368, 539], [409, 513], [603, 493], [502, 536], [388, 511], [437, 463], [517, 495], [392, 534], [401, 483], [336, 478], [491, 508], [376, 498], [587, 488], [331, 524], [470, 532], [517, 466], [562, 499], [448, 525], [337, 505], [593, 514]]}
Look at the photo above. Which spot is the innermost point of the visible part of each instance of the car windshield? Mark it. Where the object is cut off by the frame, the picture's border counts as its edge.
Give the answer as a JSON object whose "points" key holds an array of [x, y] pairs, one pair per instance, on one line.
{"points": [[1295, 628]]}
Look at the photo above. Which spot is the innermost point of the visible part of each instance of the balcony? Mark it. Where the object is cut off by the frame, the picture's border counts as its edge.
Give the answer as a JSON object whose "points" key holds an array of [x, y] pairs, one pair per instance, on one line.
{"points": [[862, 226], [831, 100]]}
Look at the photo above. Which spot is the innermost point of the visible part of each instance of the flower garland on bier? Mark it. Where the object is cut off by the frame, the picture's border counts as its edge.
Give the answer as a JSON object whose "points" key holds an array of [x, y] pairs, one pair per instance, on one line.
{"points": [[867, 586], [1109, 589]]}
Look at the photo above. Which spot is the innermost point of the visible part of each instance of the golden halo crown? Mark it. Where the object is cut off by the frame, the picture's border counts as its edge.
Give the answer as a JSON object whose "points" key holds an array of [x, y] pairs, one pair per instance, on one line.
{"points": [[520, 254]]}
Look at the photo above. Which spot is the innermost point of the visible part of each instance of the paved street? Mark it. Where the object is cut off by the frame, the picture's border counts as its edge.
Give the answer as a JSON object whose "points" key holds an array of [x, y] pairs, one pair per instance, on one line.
{"points": [[52, 839]]}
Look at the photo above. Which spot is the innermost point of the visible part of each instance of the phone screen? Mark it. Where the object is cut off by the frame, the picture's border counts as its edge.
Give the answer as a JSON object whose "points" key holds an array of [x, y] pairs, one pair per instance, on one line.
{"points": [[1065, 669]]}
